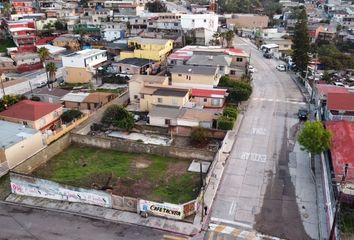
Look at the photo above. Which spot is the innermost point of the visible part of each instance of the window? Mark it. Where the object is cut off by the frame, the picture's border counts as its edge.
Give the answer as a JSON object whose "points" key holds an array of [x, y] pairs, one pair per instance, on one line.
{"points": [[175, 24], [239, 59], [179, 75], [204, 20], [286, 45], [135, 96], [159, 100], [193, 20], [150, 23], [205, 99], [189, 77], [167, 121], [215, 102]]}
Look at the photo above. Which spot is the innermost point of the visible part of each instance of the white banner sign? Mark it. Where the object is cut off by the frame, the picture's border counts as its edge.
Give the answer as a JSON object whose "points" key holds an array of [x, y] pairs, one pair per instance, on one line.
{"points": [[167, 210]]}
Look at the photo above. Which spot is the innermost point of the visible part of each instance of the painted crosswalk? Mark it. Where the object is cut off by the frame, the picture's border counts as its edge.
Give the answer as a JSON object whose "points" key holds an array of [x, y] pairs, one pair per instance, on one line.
{"points": [[226, 229]]}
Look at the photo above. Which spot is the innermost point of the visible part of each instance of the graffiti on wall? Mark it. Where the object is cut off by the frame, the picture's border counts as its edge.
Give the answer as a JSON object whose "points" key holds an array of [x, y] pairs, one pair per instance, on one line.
{"points": [[34, 187], [124, 203], [161, 209]]}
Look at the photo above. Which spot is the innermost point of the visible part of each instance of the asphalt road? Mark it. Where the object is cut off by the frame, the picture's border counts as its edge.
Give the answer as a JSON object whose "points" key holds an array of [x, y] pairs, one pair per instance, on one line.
{"points": [[257, 190], [22, 223]]}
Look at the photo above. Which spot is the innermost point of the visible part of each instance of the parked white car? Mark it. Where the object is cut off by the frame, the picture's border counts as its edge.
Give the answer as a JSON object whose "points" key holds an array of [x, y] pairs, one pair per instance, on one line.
{"points": [[250, 69], [281, 68]]}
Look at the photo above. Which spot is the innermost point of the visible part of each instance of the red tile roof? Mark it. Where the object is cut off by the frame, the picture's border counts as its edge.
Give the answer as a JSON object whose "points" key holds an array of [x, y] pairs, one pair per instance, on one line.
{"points": [[340, 101], [342, 149], [29, 110], [209, 93], [327, 88]]}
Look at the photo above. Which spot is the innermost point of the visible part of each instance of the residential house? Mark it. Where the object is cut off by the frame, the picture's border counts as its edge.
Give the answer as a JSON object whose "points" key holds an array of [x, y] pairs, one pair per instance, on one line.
{"points": [[340, 106], [95, 16], [164, 96], [73, 100], [284, 45], [26, 59], [209, 98], [314, 30], [112, 34], [321, 92], [326, 36], [194, 21], [86, 102], [17, 143], [170, 22], [153, 49], [342, 154], [133, 66], [137, 82], [6, 65], [50, 95], [81, 66], [348, 21], [23, 6], [164, 116], [41, 23], [23, 36], [221, 62], [196, 118], [194, 76], [125, 7], [69, 41], [38, 115], [250, 21]]}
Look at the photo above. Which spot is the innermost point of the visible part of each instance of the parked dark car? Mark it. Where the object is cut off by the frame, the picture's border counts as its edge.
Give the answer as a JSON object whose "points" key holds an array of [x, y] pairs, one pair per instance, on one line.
{"points": [[303, 114], [267, 55]]}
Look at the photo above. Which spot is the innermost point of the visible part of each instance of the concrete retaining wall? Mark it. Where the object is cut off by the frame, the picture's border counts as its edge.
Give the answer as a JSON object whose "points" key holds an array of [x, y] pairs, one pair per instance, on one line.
{"points": [[43, 156], [137, 147]]}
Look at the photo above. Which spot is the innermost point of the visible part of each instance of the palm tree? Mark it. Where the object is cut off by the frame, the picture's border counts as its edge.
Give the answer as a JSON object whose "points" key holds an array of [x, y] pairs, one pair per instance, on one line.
{"points": [[229, 36], [43, 56], [51, 68], [222, 38]]}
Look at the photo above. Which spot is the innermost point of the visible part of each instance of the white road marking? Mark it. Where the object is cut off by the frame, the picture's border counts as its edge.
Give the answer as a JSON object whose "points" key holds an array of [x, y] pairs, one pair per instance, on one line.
{"points": [[244, 225], [232, 207], [292, 101], [256, 157], [259, 131]]}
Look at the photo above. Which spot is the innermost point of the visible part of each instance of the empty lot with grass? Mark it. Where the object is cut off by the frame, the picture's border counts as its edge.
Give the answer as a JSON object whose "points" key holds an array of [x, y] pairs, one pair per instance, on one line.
{"points": [[145, 176]]}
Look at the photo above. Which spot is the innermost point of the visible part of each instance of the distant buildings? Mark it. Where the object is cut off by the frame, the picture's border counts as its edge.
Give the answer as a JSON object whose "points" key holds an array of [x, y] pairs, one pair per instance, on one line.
{"points": [[250, 21]]}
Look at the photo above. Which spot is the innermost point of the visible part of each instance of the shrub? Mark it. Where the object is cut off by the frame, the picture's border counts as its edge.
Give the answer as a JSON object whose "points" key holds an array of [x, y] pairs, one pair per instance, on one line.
{"points": [[70, 115], [230, 112], [199, 135], [225, 123], [119, 117]]}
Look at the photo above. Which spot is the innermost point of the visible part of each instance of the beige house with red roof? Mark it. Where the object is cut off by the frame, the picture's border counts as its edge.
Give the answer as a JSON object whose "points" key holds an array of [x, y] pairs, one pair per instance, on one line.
{"points": [[37, 115]]}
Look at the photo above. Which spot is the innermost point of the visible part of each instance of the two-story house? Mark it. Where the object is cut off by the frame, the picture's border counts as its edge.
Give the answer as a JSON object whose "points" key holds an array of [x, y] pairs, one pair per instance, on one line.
{"points": [[23, 6], [152, 49], [80, 67], [194, 76], [137, 82], [37, 115], [163, 96]]}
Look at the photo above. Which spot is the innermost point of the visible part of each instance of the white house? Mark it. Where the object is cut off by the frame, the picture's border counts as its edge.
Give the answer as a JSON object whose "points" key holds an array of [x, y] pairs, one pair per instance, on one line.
{"points": [[193, 21], [85, 58], [110, 34]]}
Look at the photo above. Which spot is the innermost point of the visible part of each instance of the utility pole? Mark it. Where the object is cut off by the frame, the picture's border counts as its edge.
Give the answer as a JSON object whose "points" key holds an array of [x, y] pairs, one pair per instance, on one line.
{"points": [[2, 84], [338, 202]]}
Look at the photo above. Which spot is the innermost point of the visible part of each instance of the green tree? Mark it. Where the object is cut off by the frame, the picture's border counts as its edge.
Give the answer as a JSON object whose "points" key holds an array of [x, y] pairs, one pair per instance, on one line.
{"points": [[43, 56], [301, 43], [229, 37], [315, 139], [59, 25], [156, 6], [7, 10], [199, 136], [333, 58], [326, 77], [119, 117], [69, 115]]}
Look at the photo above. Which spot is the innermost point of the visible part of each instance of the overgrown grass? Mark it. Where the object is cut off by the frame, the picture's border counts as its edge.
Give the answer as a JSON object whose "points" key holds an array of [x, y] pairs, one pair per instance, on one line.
{"points": [[6, 43], [347, 219], [82, 166]]}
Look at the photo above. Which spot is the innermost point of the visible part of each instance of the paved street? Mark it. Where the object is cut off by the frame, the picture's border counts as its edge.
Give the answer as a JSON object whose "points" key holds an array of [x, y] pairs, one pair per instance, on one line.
{"points": [[267, 185], [20, 223]]}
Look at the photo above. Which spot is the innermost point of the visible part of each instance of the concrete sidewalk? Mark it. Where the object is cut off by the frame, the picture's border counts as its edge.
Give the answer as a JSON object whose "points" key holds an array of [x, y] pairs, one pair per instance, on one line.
{"points": [[112, 215]]}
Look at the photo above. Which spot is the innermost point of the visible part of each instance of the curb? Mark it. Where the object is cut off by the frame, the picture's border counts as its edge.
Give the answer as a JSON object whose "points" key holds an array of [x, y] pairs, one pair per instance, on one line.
{"points": [[92, 217]]}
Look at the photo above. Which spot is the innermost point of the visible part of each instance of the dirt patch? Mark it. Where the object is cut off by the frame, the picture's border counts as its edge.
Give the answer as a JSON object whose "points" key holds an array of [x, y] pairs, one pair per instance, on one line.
{"points": [[177, 168], [142, 163], [131, 188]]}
